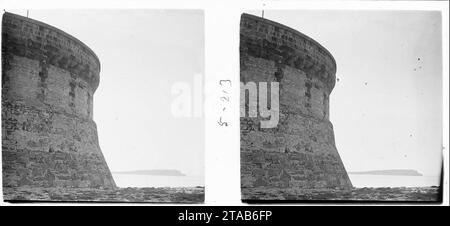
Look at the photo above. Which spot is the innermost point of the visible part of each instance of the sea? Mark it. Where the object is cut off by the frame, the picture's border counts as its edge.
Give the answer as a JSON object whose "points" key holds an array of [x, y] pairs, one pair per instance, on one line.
{"points": [[358, 180], [361, 180], [131, 180]]}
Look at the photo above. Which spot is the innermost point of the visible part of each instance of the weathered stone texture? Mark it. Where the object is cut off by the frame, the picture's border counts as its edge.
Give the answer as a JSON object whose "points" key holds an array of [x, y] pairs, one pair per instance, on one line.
{"points": [[398, 194], [49, 138], [157, 195], [300, 152]]}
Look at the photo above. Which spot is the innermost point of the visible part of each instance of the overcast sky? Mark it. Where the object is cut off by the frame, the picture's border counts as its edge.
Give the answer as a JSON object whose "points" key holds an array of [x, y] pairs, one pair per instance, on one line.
{"points": [[142, 54], [386, 107]]}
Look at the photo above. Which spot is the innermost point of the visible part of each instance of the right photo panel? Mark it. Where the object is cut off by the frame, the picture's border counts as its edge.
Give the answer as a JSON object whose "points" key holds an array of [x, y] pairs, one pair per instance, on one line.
{"points": [[341, 105]]}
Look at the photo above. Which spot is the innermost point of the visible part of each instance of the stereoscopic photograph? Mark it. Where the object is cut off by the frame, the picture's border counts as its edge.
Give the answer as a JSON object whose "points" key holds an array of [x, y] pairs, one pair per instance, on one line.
{"points": [[103, 105], [341, 105]]}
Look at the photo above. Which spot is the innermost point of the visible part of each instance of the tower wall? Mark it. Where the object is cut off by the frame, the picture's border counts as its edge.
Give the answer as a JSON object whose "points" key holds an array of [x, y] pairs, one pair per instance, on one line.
{"points": [[300, 152], [49, 138]]}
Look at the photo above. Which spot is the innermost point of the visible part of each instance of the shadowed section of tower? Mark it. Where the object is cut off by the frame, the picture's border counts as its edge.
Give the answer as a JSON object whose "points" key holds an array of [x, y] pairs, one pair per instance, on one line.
{"points": [[300, 152], [49, 138]]}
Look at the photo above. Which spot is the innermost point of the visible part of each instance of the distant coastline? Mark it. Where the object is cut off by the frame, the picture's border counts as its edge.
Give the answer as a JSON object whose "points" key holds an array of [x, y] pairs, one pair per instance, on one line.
{"points": [[395, 172], [155, 172]]}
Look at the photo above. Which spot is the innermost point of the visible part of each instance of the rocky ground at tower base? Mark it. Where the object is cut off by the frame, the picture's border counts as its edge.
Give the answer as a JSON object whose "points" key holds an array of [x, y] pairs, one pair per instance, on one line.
{"points": [[136, 195], [401, 194]]}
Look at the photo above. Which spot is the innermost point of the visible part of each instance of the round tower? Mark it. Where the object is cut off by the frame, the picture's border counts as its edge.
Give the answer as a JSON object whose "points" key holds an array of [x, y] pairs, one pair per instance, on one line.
{"points": [[49, 138], [300, 151]]}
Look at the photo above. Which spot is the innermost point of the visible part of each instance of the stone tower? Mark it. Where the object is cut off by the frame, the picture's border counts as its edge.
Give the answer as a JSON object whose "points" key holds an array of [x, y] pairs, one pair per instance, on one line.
{"points": [[300, 152], [49, 138]]}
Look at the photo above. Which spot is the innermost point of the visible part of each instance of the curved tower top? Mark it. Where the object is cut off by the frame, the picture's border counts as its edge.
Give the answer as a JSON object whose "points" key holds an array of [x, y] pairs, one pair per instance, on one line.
{"points": [[276, 42], [39, 41]]}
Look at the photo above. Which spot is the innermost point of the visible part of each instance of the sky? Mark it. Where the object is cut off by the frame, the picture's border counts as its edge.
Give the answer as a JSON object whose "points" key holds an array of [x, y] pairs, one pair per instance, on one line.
{"points": [[386, 107], [143, 53]]}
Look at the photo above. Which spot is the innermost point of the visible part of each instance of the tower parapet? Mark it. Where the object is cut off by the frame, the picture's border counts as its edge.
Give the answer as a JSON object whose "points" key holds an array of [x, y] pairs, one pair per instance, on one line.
{"points": [[266, 39]]}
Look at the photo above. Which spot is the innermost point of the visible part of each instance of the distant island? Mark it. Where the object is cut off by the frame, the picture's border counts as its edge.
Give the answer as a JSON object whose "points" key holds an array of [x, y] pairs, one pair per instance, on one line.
{"points": [[155, 172], [394, 172]]}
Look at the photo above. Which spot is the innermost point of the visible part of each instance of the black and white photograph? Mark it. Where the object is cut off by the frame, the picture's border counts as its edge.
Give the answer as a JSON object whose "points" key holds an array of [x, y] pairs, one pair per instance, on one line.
{"points": [[341, 105], [225, 111], [103, 105]]}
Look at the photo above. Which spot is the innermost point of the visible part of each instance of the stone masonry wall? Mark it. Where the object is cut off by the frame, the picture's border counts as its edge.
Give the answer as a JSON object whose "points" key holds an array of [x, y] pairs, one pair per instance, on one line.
{"points": [[48, 136], [300, 152]]}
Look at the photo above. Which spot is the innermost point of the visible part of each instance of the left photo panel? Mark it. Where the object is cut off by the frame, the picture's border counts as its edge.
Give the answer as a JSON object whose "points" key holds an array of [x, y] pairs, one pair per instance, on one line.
{"points": [[103, 105]]}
